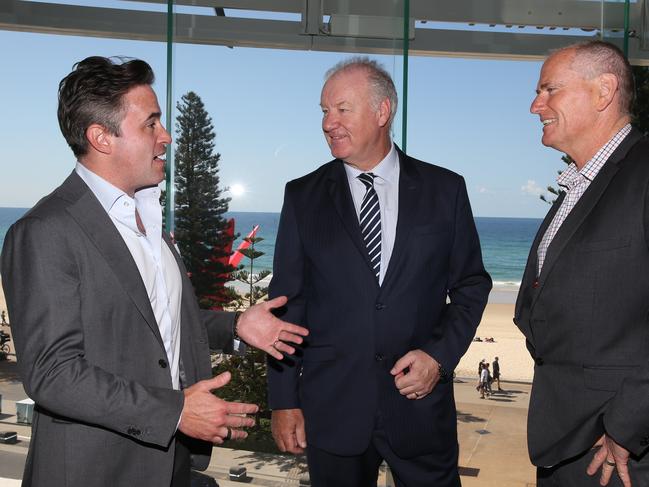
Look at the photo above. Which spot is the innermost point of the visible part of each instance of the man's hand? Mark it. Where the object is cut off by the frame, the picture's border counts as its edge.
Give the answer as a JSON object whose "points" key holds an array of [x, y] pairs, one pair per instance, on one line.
{"points": [[610, 457], [287, 426], [209, 418], [415, 374], [261, 329]]}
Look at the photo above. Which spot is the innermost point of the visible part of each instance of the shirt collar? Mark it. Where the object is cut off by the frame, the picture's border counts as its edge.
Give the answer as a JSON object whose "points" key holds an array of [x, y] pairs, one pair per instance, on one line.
{"points": [[571, 175], [387, 169], [147, 200]]}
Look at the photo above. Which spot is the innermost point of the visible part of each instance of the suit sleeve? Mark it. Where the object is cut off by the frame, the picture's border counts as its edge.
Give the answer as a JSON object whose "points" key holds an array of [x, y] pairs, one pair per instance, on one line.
{"points": [[42, 283], [468, 288], [220, 331], [288, 280]]}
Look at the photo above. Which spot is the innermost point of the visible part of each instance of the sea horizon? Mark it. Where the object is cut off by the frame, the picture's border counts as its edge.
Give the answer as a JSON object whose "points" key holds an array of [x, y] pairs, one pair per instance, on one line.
{"points": [[505, 241]]}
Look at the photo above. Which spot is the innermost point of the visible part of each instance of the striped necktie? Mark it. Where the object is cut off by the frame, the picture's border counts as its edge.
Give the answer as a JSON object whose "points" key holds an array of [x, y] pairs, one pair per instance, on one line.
{"points": [[370, 220]]}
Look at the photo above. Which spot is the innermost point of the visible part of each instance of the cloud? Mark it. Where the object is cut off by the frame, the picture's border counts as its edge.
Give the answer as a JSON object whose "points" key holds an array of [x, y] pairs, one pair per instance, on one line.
{"points": [[532, 188], [279, 149]]}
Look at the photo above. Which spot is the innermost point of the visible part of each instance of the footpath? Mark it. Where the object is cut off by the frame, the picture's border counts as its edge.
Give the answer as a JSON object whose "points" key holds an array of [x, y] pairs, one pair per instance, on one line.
{"points": [[491, 433]]}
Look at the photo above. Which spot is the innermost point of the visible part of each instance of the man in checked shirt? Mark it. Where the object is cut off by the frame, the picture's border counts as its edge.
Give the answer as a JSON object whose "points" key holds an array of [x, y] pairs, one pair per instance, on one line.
{"points": [[584, 300]]}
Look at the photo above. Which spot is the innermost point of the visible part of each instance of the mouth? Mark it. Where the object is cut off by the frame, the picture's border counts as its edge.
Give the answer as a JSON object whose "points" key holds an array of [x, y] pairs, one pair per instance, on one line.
{"points": [[161, 158], [548, 121]]}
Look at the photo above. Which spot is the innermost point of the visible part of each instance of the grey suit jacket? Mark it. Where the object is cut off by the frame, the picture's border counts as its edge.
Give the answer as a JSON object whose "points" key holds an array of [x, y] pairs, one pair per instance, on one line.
{"points": [[586, 317], [89, 349]]}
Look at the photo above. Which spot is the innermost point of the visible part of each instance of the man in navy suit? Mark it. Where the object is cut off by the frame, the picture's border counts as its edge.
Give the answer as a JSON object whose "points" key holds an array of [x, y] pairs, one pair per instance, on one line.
{"points": [[379, 257]]}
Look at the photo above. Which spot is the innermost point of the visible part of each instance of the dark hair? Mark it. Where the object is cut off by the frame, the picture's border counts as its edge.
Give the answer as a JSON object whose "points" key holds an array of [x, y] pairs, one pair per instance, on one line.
{"points": [[93, 93]]}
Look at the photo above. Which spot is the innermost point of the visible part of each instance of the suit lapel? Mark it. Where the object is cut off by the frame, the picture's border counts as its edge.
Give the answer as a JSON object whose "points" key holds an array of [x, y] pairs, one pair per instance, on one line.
{"points": [[531, 268], [408, 196], [586, 203], [342, 200], [93, 219]]}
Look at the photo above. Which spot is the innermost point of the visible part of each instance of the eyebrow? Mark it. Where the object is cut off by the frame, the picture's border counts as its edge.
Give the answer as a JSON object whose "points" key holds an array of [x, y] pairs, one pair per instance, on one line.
{"points": [[154, 116]]}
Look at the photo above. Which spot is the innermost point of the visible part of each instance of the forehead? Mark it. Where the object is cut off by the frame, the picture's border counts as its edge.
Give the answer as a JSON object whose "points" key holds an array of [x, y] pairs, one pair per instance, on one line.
{"points": [[141, 100], [558, 65], [346, 85]]}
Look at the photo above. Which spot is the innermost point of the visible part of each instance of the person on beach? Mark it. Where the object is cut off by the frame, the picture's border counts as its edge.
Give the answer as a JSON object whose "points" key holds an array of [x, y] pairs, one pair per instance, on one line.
{"points": [[495, 366], [484, 381], [374, 381], [110, 342], [583, 300]]}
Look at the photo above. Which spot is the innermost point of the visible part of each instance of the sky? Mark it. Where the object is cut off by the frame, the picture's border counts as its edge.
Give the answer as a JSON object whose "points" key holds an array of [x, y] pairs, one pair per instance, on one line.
{"points": [[471, 116]]}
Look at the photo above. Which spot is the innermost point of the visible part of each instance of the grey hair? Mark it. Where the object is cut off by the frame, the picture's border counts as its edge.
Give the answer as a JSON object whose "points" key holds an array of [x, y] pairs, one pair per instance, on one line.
{"points": [[594, 58], [381, 84]]}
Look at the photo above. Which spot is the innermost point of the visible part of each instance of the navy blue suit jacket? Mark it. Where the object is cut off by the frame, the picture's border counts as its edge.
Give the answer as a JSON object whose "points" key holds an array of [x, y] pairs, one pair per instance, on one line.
{"points": [[358, 329]]}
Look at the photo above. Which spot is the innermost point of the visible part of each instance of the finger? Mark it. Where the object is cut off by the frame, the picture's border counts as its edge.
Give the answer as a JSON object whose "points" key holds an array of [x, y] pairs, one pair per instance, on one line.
{"points": [[402, 364], [300, 436], [283, 347], [240, 408], [293, 332], [273, 352], [216, 382], [277, 302], [237, 421], [597, 461], [607, 471], [236, 434], [623, 473]]}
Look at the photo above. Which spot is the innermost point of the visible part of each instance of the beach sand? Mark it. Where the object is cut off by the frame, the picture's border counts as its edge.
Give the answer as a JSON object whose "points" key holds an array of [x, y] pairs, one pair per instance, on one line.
{"points": [[509, 346]]}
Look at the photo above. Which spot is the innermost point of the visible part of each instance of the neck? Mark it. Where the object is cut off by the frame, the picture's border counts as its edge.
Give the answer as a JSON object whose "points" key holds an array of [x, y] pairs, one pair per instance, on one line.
{"points": [[597, 141]]}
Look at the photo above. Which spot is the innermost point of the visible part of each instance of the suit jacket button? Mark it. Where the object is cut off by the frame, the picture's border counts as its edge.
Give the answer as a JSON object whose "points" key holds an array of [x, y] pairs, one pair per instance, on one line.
{"points": [[133, 431], [379, 357], [539, 361], [162, 363], [379, 306]]}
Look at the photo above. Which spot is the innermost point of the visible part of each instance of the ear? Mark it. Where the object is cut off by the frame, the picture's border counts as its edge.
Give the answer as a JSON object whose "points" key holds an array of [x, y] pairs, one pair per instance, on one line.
{"points": [[607, 86], [99, 138], [384, 112]]}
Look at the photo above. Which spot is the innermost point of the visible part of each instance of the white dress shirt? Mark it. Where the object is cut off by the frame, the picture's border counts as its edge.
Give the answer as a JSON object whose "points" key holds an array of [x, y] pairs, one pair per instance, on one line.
{"points": [[386, 185], [158, 268]]}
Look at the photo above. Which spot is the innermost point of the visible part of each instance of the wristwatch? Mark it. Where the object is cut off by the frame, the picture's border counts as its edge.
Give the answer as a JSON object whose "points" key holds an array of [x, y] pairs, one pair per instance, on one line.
{"points": [[444, 377]]}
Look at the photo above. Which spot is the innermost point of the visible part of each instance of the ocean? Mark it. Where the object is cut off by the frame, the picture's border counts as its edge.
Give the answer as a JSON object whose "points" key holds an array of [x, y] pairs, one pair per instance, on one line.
{"points": [[505, 241]]}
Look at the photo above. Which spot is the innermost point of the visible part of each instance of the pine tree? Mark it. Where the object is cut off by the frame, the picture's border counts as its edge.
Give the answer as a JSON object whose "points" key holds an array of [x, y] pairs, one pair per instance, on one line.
{"points": [[201, 229]]}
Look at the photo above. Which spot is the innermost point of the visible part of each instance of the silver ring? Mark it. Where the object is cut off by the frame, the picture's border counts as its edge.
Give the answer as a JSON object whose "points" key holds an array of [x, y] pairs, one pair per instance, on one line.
{"points": [[609, 463], [229, 435], [274, 345], [417, 395]]}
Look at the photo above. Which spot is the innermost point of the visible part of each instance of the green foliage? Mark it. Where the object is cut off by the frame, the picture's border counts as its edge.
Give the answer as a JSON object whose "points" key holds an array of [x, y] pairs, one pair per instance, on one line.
{"points": [[201, 229], [248, 382]]}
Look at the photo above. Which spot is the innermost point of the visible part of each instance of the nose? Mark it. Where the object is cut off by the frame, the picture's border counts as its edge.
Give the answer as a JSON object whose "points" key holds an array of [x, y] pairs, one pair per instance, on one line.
{"points": [[537, 104], [329, 122], [165, 138]]}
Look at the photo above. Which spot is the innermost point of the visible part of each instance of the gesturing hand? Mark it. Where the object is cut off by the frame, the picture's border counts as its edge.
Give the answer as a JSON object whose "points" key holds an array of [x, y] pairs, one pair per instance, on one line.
{"points": [[209, 418], [261, 329]]}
